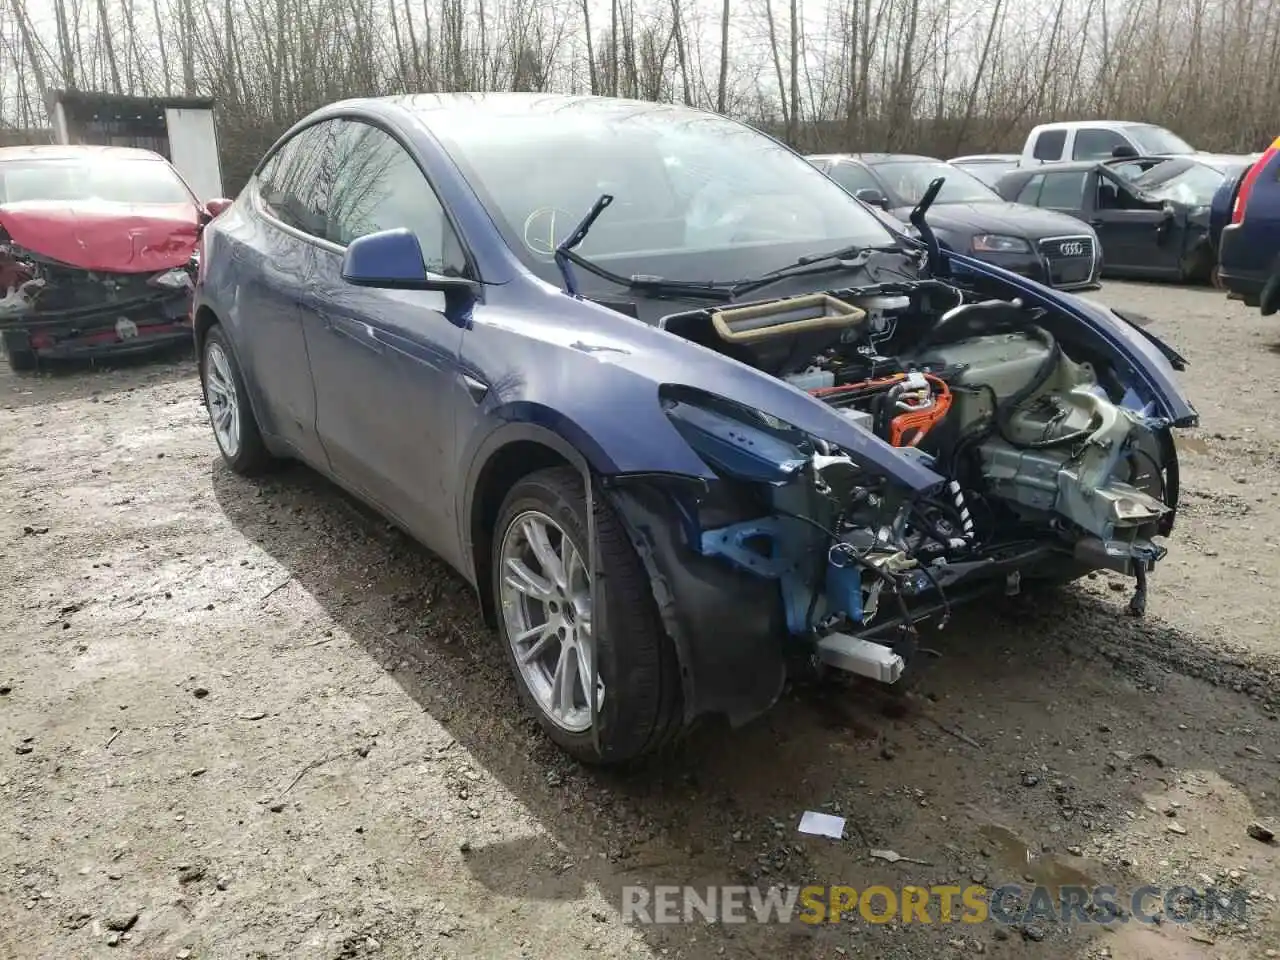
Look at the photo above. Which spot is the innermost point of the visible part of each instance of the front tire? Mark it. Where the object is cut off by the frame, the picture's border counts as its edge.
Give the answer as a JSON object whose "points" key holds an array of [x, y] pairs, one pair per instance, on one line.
{"points": [[230, 414], [542, 593]]}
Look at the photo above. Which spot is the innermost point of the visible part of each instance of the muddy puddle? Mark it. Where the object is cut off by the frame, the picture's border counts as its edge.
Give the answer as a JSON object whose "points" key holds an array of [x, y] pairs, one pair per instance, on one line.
{"points": [[1022, 863]]}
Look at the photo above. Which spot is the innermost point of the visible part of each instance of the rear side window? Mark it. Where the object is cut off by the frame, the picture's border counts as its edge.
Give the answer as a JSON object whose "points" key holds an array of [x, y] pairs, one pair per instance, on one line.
{"points": [[378, 186], [1093, 143], [1063, 190], [1049, 145], [1030, 192], [853, 177], [293, 182]]}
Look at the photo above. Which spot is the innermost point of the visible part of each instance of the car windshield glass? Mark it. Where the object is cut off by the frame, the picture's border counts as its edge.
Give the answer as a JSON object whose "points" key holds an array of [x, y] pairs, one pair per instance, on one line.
{"points": [[909, 179], [96, 178], [696, 196], [1194, 185], [1157, 140]]}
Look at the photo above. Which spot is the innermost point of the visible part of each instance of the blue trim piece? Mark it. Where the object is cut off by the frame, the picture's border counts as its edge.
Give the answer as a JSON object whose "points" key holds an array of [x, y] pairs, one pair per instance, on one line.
{"points": [[844, 590], [783, 539], [730, 542], [781, 535]]}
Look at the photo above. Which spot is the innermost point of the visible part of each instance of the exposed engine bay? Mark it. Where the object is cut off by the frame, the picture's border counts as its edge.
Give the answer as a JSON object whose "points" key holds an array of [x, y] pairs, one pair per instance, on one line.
{"points": [[50, 304], [1052, 467]]}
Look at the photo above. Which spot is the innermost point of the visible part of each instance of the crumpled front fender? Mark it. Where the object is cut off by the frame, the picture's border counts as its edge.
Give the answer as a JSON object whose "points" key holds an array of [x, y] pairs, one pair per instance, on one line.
{"points": [[1142, 361]]}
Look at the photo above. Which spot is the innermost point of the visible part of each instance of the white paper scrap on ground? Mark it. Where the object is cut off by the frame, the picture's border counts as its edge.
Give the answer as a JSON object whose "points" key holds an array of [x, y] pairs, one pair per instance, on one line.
{"points": [[822, 825]]}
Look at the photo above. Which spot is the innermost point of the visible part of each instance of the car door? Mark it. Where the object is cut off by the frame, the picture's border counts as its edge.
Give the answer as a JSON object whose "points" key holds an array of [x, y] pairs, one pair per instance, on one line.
{"points": [[1138, 237], [385, 362], [279, 261]]}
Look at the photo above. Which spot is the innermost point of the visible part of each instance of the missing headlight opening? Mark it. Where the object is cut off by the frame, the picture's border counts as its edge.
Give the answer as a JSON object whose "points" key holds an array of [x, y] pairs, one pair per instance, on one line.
{"points": [[1052, 465]]}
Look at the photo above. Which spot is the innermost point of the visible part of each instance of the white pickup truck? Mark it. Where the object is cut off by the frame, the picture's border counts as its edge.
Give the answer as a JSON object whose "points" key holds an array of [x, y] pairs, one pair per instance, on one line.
{"points": [[1099, 140]]}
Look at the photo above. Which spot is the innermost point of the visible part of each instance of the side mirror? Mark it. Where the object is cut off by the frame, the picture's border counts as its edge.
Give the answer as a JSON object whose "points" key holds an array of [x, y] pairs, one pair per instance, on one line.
{"points": [[392, 259], [1124, 151], [872, 198]]}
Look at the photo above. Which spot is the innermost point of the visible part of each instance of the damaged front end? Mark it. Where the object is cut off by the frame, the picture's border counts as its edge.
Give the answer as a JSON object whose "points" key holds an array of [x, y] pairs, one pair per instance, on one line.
{"points": [[1050, 466], [53, 310]]}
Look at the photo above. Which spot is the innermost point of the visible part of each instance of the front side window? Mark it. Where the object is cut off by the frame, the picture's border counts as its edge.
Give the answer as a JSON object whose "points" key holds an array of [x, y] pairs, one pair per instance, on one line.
{"points": [[293, 184], [1094, 143], [853, 177], [908, 180], [695, 195], [1063, 190], [1030, 192], [378, 186], [92, 178]]}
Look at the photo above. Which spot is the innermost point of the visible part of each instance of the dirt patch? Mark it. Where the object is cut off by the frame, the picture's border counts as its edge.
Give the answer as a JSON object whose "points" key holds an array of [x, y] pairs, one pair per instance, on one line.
{"points": [[249, 720]]}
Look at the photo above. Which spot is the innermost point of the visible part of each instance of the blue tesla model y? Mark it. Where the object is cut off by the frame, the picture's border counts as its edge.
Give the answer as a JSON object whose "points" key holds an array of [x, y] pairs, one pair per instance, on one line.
{"points": [[683, 411]]}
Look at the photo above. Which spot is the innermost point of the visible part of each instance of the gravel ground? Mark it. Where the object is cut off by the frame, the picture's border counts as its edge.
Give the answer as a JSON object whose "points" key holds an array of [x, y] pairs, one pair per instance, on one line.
{"points": [[248, 720]]}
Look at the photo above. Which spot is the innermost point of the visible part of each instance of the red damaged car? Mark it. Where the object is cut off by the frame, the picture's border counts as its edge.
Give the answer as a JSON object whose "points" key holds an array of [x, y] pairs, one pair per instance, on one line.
{"points": [[97, 252]]}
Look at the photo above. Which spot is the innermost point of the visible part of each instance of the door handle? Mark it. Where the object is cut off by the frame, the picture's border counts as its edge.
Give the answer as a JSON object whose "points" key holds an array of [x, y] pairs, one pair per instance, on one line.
{"points": [[477, 389], [355, 331]]}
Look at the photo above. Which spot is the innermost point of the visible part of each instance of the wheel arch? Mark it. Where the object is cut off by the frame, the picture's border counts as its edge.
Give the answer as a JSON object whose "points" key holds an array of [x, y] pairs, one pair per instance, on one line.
{"points": [[512, 454], [205, 319]]}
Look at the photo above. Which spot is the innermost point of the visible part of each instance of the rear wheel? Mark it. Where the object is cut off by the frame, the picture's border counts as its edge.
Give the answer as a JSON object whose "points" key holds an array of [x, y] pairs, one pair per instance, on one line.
{"points": [[230, 414], [17, 348], [542, 592]]}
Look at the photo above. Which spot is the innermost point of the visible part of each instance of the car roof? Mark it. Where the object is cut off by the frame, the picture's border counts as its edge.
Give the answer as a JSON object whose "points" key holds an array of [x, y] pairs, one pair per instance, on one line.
{"points": [[1064, 166], [871, 159], [1077, 124], [72, 151], [1221, 159], [503, 104], [986, 158]]}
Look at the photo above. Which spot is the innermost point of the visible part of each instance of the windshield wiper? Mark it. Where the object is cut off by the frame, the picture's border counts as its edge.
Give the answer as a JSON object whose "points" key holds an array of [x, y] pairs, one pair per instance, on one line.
{"points": [[850, 257], [846, 258], [860, 251], [567, 258], [926, 232]]}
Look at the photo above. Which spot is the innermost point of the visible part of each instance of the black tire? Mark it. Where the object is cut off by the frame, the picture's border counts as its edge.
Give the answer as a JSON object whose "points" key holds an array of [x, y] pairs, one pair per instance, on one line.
{"points": [[641, 709], [250, 456], [17, 348]]}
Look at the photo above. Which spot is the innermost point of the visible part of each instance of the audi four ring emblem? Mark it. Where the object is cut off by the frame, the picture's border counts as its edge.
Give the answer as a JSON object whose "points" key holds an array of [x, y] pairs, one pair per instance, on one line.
{"points": [[1071, 248]]}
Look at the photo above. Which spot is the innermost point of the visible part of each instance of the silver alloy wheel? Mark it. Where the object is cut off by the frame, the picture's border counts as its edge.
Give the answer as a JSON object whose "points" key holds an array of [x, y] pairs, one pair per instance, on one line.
{"points": [[221, 398], [546, 607]]}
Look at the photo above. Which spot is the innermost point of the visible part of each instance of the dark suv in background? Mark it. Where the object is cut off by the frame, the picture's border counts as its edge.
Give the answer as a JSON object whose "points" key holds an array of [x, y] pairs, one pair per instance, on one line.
{"points": [[1249, 251]]}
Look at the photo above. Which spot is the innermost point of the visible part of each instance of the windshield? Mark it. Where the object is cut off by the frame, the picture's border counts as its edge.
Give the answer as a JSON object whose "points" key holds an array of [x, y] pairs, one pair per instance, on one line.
{"points": [[988, 171], [696, 196], [907, 180], [1157, 140], [96, 178], [1194, 186]]}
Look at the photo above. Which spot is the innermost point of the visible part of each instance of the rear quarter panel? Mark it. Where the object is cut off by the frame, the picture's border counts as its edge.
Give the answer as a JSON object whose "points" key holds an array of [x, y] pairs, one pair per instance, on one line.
{"points": [[1250, 249], [233, 253]]}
